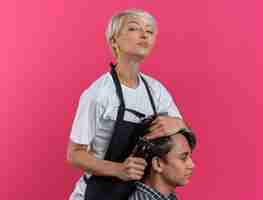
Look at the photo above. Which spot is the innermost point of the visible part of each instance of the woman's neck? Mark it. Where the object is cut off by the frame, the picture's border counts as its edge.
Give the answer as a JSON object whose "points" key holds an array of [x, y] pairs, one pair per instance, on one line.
{"points": [[127, 71]]}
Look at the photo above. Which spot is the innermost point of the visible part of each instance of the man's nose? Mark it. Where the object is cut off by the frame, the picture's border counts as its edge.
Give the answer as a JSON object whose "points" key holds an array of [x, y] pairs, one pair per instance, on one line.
{"points": [[191, 164]]}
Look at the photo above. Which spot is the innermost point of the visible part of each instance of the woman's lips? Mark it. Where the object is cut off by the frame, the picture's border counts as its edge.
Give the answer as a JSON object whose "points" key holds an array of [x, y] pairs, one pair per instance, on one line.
{"points": [[143, 44], [189, 175]]}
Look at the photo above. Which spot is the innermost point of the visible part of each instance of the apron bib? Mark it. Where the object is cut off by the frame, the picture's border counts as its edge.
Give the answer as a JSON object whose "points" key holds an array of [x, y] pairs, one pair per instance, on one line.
{"points": [[124, 138]]}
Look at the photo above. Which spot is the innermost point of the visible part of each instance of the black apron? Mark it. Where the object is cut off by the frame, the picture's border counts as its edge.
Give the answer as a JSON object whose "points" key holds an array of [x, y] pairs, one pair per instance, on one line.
{"points": [[124, 138]]}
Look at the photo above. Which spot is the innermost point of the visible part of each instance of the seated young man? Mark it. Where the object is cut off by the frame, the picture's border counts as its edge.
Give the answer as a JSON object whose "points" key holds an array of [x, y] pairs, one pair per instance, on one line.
{"points": [[169, 165]]}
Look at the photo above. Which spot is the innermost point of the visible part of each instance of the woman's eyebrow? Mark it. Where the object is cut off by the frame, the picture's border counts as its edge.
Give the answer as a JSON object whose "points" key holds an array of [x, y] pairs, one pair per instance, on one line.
{"points": [[135, 22]]}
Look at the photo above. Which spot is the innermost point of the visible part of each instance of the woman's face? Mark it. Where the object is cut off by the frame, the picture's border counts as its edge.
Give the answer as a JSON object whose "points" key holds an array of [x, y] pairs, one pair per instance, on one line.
{"points": [[136, 37]]}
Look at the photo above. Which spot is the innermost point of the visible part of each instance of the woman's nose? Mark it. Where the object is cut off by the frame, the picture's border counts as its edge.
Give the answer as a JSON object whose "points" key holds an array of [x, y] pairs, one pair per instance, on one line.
{"points": [[143, 33]]}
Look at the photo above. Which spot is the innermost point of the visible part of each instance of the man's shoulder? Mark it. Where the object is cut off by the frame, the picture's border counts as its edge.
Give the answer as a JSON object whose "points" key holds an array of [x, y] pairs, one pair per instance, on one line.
{"points": [[140, 195], [145, 192], [142, 192]]}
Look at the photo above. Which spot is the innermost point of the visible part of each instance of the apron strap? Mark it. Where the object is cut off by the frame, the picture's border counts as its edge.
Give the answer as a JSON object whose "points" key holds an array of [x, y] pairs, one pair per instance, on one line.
{"points": [[120, 95], [136, 113], [150, 95], [114, 75]]}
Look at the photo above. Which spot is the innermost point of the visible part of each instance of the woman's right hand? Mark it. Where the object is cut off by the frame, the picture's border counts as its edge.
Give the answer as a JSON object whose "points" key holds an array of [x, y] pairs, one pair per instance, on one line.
{"points": [[132, 169]]}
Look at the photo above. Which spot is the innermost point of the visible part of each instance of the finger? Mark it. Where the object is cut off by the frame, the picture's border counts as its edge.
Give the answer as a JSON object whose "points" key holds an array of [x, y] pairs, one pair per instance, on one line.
{"points": [[155, 134], [154, 127], [139, 161], [137, 167], [159, 130], [135, 177], [136, 172], [132, 153], [155, 121], [158, 120]]}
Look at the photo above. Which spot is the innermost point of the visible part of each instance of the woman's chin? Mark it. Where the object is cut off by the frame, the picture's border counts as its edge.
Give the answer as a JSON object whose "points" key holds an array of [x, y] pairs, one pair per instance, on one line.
{"points": [[141, 55]]}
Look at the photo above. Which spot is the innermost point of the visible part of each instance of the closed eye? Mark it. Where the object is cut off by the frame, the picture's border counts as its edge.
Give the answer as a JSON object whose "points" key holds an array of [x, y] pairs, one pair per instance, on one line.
{"points": [[151, 32], [133, 28], [184, 156]]}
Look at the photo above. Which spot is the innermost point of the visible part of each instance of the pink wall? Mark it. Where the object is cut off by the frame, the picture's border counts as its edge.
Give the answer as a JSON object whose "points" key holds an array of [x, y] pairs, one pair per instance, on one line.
{"points": [[206, 55]]}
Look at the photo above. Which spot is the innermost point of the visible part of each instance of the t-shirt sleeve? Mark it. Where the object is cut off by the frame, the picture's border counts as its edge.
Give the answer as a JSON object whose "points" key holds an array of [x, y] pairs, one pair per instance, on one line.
{"points": [[167, 104], [84, 125]]}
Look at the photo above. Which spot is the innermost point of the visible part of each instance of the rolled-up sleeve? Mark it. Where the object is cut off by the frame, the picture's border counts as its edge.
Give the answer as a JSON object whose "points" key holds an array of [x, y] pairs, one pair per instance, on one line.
{"points": [[84, 125], [167, 104]]}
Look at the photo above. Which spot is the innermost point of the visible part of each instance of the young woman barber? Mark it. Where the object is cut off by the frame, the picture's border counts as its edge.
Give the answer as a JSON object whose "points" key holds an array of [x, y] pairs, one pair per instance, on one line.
{"points": [[108, 124]]}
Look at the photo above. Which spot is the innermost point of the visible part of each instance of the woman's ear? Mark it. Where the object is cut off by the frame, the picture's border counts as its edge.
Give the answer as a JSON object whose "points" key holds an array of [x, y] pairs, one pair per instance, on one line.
{"points": [[157, 165], [114, 42]]}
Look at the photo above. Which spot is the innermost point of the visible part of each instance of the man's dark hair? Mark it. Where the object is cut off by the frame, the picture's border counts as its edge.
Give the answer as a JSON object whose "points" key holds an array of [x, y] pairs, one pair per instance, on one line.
{"points": [[159, 147]]}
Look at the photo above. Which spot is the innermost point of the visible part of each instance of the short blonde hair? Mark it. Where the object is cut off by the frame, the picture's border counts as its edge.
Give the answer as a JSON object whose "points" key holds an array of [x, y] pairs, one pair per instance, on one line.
{"points": [[116, 22]]}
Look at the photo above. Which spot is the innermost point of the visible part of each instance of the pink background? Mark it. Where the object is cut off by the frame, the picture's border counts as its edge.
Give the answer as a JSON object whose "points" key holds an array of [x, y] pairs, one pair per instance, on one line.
{"points": [[207, 54]]}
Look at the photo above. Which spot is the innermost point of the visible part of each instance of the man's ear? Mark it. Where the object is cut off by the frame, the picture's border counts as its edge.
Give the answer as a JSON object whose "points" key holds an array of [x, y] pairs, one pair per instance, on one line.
{"points": [[157, 165]]}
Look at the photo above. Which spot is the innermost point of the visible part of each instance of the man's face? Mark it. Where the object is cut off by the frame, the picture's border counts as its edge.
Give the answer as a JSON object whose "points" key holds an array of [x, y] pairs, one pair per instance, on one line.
{"points": [[177, 164], [137, 36]]}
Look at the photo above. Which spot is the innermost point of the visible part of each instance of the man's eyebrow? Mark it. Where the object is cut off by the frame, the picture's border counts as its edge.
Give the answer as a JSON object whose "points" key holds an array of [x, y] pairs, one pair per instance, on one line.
{"points": [[184, 154]]}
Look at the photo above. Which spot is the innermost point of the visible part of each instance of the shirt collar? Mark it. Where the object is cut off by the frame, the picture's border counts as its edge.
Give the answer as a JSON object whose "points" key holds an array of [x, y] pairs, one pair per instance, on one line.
{"points": [[155, 194]]}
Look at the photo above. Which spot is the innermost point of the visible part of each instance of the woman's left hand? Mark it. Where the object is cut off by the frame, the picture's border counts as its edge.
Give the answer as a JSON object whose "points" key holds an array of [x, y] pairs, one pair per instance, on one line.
{"points": [[164, 126]]}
